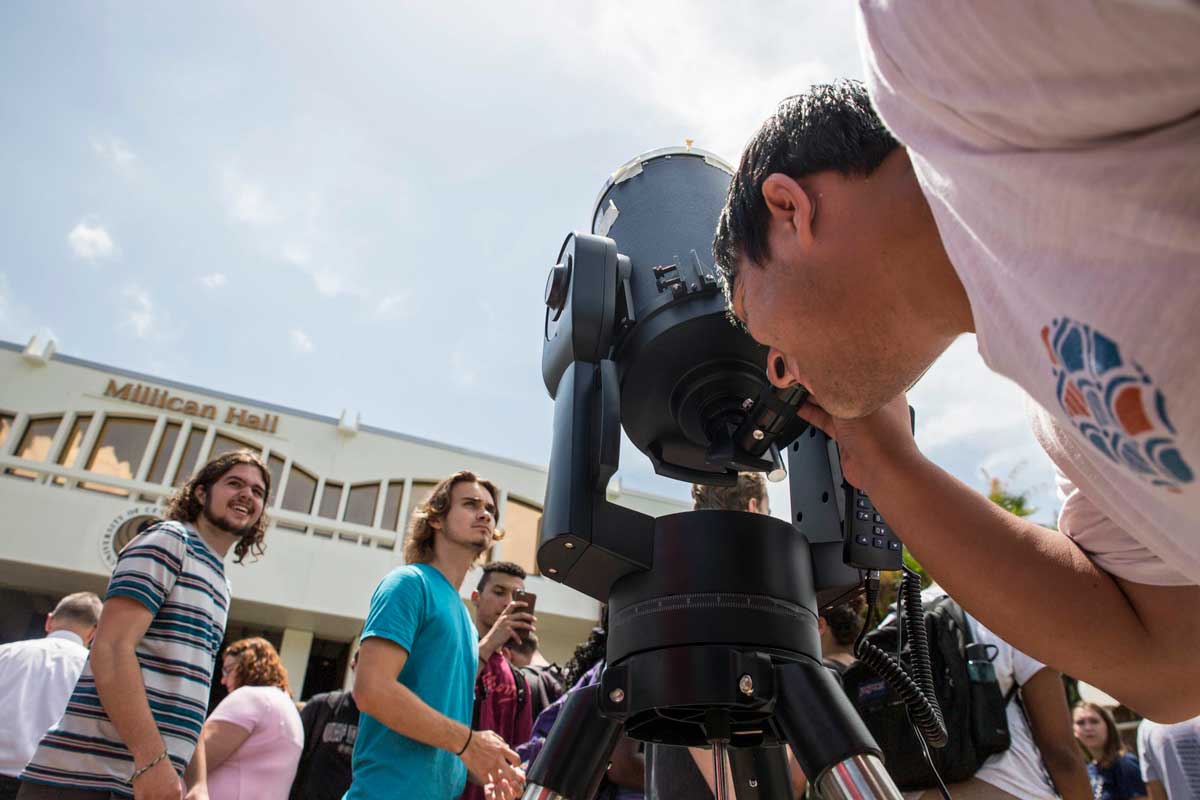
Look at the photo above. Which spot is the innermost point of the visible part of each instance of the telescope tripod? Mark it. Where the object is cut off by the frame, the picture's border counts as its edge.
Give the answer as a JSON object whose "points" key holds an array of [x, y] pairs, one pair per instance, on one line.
{"points": [[717, 645]]}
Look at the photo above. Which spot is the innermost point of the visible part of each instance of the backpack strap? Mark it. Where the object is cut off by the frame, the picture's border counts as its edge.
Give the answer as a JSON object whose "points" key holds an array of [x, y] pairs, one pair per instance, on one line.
{"points": [[522, 686], [960, 619]]}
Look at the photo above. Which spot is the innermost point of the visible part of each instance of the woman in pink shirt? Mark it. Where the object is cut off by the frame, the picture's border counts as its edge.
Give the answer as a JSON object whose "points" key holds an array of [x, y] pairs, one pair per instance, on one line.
{"points": [[253, 738]]}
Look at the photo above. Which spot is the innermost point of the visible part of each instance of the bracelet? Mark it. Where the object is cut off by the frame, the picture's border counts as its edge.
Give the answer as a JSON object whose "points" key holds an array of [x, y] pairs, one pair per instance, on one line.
{"points": [[470, 733], [137, 773]]}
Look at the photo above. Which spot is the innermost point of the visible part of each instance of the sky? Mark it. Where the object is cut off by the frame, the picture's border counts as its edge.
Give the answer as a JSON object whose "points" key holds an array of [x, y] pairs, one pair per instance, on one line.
{"points": [[354, 205]]}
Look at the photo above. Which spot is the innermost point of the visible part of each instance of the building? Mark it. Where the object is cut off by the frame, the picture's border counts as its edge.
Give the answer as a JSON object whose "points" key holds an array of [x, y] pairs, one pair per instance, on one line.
{"points": [[88, 453]]}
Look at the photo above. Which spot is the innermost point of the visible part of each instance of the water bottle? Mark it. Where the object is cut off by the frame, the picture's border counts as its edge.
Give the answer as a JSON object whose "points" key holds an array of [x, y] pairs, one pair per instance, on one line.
{"points": [[989, 719]]}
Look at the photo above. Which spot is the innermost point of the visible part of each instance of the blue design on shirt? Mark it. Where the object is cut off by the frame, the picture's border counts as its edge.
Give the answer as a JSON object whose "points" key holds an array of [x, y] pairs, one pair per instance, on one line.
{"points": [[1114, 404]]}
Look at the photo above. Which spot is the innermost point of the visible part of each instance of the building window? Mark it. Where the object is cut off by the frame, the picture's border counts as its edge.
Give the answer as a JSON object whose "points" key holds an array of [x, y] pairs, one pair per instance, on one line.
{"points": [[118, 451], [391, 505], [35, 443], [70, 450], [330, 497], [275, 467], [298, 497], [191, 452], [6, 423], [166, 446], [522, 529], [223, 444], [360, 506]]}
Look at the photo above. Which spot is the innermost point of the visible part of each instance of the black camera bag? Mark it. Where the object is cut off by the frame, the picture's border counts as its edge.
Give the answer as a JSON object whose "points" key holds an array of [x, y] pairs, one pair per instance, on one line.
{"points": [[974, 713]]}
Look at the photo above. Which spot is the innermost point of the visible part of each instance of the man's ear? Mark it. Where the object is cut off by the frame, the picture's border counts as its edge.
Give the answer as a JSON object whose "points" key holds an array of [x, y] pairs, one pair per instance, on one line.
{"points": [[752, 505], [475, 596], [200, 494], [790, 205], [49, 626]]}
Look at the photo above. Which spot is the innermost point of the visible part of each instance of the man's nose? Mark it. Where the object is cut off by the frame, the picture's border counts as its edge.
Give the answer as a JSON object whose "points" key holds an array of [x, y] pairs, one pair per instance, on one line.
{"points": [[777, 370]]}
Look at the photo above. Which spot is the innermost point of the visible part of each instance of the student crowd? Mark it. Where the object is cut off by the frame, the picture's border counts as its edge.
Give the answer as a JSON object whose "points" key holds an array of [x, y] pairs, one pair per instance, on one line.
{"points": [[444, 706]]}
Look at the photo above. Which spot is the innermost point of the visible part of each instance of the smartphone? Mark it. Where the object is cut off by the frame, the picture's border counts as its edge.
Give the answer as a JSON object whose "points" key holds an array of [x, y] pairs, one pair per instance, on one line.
{"points": [[528, 598]]}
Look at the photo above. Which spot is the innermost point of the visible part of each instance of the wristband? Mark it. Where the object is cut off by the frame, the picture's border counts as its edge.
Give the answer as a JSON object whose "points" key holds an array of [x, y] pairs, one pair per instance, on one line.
{"points": [[470, 733], [137, 773]]}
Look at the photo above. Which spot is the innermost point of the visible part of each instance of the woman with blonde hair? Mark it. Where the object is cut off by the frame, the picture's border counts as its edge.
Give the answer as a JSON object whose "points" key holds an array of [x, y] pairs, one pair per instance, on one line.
{"points": [[1113, 770], [250, 745]]}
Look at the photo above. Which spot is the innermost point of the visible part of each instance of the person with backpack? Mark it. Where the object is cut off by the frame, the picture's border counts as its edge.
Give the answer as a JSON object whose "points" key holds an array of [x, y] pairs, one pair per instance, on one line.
{"points": [[543, 680], [1009, 726], [330, 728]]}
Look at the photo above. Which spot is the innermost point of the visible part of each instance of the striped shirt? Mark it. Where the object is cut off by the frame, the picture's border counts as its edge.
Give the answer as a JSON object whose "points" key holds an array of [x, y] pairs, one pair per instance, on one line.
{"points": [[172, 572]]}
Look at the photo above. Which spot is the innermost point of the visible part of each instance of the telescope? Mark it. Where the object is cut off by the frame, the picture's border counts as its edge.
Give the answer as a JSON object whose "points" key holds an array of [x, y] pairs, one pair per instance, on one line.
{"points": [[712, 638]]}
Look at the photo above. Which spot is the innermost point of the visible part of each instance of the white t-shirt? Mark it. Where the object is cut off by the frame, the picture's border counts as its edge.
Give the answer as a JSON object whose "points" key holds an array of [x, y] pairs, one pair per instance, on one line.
{"points": [[36, 679], [1171, 754], [1058, 145], [1019, 769]]}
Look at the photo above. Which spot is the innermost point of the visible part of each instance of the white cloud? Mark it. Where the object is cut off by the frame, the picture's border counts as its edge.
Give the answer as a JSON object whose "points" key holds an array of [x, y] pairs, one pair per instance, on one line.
{"points": [[960, 398], [463, 375], [394, 305], [114, 150], [90, 241], [301, 341], [295, 253], [140, 314], [721, 97], [246, 200], [214, 280]]}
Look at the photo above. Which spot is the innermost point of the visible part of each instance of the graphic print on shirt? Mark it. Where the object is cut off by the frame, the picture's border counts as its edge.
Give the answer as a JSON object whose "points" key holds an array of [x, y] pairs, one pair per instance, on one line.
{"points": [[1114, 403]]}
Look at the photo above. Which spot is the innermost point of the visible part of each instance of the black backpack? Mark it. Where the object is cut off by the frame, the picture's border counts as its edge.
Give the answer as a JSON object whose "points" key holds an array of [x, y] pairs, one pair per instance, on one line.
{"points": [[545, 685], [974, 711]]}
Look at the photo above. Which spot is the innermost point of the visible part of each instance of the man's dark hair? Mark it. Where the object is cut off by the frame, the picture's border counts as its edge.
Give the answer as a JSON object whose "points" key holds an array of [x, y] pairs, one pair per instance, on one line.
{"points": [[749, 486], [843, 622], [832, 126], [504, 568]]}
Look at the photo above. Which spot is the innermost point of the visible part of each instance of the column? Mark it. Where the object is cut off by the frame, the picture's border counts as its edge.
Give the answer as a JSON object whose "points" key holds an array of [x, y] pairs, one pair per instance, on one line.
{"points": [[293, 652]]}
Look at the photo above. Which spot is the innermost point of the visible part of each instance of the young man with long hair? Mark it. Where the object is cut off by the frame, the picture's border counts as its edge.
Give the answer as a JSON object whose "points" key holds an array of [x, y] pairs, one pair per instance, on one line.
{"points": [[133, 720], [417, 664]]}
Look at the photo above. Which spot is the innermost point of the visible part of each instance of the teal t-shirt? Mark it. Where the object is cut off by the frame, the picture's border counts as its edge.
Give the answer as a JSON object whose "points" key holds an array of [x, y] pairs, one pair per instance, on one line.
{"points": [[417, 608]]}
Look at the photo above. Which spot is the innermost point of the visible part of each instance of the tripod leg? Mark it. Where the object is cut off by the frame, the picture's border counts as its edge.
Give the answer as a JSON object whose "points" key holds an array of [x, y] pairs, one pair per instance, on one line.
{"points": [[760, 773], [833, 746], [576, 754]]}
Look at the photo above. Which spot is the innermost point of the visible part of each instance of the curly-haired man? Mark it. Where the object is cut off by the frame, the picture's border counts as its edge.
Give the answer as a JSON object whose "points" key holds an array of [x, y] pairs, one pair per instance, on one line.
{"points": [[132, 723], [417, 665]]}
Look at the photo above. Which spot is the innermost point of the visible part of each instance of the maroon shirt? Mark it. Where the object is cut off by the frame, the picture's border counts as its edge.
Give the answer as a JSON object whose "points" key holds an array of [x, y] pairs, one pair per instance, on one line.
{"points": [[496, 709]]}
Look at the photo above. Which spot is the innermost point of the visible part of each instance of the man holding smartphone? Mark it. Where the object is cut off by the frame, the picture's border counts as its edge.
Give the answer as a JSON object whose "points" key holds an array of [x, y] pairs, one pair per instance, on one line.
{"points": [[503, 614]]}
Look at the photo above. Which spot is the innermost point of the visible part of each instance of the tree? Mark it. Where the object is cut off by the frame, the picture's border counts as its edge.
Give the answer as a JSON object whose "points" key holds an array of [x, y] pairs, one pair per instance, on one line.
{"points": [[1012, 502]]}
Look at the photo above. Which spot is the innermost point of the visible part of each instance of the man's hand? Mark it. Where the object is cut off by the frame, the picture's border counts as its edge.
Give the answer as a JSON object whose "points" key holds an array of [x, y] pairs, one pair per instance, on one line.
{"points": [[512, 624], [490, 761], [869, 446], [198, 792], [503, 789], [158, 783]]}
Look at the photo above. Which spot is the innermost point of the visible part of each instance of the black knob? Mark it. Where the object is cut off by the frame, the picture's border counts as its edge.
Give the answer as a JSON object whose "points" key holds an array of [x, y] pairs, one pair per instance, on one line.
{"points": [[556, 286]]}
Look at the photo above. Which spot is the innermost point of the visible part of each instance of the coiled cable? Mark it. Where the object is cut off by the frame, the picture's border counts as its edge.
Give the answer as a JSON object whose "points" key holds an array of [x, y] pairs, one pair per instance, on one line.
{"points": [[919, 694]]}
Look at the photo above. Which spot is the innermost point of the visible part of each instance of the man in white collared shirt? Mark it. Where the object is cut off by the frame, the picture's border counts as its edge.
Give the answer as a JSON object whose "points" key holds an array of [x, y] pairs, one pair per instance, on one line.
{"points": [[36, 679]]}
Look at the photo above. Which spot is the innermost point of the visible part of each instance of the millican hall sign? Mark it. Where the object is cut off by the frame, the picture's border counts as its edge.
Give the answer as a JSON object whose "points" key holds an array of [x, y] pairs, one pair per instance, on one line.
{"points": [[161, 398]]}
